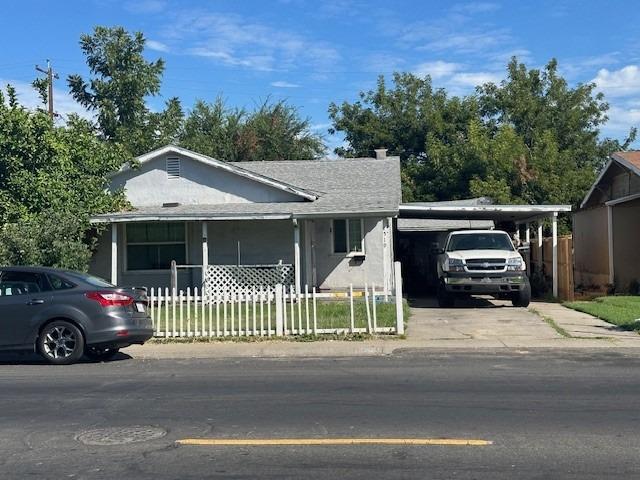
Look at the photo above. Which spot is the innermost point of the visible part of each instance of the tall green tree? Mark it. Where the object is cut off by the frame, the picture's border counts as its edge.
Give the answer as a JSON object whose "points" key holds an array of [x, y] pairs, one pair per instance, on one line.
{"points": [[52, 178], [120, 81], [274, 131], [530, 139]]}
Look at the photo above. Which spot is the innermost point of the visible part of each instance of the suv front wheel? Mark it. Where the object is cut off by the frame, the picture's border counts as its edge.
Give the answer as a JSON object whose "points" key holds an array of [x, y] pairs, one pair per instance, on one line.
{"points": [[522, 298]]}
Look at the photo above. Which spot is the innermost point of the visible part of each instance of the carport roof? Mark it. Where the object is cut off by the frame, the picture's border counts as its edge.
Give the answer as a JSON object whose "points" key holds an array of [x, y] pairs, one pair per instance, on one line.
{"points": [[461, 210]]}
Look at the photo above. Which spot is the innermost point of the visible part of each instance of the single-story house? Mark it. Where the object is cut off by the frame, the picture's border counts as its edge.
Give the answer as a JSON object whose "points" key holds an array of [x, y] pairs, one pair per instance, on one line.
{"points": [[322, 223], [606, 228]]}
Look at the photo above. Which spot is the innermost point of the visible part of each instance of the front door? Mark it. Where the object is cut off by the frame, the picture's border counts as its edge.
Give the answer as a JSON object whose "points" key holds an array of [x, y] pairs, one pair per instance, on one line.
{"points": [[22, 295]]}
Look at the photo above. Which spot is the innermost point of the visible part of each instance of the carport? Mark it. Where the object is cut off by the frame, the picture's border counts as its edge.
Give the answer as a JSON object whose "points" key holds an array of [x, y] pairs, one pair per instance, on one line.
{"points": [[481, 213]]}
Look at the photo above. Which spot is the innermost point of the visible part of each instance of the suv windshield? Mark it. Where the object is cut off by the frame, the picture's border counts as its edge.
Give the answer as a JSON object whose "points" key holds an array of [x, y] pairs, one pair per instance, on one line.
{"points": [[480, 241]]}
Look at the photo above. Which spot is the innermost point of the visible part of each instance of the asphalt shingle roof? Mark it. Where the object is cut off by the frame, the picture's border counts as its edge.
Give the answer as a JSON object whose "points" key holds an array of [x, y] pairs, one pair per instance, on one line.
{"points": [[363, 186]]}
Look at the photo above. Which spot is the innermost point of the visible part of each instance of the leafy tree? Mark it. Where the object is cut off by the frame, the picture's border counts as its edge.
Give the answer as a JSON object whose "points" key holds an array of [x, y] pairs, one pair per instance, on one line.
{"points": [[559, 127], [274, 131], [121, 79], [51, 179], [531, 139]]}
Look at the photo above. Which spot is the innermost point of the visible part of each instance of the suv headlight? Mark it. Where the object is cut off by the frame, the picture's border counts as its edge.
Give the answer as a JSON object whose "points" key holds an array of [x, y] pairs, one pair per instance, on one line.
{"points": [[515, 264], [453, 265]]}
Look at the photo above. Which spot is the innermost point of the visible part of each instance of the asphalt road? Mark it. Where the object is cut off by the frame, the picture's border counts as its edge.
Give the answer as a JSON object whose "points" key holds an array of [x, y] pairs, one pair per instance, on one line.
{"points": [[549, 415]]}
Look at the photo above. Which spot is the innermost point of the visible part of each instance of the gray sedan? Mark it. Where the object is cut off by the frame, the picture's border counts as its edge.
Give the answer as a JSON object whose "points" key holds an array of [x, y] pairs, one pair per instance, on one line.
{"points": [[64, 315]]}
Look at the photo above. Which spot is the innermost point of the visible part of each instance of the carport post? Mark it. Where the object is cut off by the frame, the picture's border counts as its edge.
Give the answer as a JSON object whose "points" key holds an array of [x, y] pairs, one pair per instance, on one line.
{"points": [[554, 234], [398, 294], [540, 252], [114, 253], [527, 233]]}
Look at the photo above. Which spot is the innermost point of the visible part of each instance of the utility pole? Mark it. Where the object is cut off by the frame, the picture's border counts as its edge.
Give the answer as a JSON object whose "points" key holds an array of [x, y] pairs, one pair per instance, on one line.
{"points": [[50, 76]]}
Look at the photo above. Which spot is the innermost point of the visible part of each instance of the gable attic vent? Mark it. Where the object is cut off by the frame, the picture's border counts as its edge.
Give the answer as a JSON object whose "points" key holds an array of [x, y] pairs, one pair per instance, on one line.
{"points": [[173, 168]]}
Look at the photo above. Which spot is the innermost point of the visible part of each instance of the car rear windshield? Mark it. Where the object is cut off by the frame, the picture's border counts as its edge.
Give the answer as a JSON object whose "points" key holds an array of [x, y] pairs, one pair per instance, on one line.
{"points": [[90, 279], [479, 241]]}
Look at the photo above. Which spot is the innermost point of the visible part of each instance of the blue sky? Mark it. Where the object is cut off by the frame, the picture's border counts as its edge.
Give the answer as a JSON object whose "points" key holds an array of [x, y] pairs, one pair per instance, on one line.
{"points": [[312, 53]]}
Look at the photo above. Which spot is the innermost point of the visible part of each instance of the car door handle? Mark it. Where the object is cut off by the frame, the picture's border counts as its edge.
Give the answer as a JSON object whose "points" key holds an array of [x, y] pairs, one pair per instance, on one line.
{"points": [[35, 302]]}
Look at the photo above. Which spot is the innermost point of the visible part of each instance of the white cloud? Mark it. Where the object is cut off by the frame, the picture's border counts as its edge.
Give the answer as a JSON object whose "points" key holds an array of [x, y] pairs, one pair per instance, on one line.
{"points": [[437, 69], [475, 7], [283, 84], [473, 79], [157, 46], [145, 6], [63, 103], [233, 40], [621, 119], [619, 83], [467, 42]]}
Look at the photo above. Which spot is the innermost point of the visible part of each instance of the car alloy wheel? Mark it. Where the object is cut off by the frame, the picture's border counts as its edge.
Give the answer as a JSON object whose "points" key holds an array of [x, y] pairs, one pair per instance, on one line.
{"points": [[61, 343]]}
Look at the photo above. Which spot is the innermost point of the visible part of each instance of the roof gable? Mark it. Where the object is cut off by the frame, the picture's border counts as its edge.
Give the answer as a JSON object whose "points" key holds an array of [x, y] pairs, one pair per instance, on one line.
{"points": [[232, 168], [629, 160]]}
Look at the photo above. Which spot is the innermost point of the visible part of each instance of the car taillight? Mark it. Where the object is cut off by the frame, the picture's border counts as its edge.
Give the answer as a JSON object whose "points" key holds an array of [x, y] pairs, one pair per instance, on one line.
{"points": [[110, 299]]}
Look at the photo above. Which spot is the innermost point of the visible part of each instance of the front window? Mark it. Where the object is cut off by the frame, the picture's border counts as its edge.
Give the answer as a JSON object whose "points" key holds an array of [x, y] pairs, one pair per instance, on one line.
{"points": [[152, 246], [479, 241], [348, 235]]}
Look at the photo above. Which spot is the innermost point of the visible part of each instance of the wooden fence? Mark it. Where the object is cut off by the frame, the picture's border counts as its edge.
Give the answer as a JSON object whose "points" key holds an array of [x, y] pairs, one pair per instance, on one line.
{"points": [[542, 260], [282, 312]]}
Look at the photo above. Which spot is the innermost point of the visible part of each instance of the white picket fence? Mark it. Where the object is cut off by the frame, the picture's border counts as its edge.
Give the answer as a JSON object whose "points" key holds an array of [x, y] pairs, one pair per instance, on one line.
{"points": [[266, 313]]}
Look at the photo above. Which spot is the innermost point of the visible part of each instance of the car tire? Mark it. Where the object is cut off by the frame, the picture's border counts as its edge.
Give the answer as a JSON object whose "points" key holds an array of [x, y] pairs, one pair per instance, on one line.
{"points": [[100, 354], [445, 299], [523, 297], [61, 343]]}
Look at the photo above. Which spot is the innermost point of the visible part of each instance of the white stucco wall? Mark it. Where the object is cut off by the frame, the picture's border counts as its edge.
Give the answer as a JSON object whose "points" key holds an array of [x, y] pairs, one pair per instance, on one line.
{"points": [[198, 184], [261, 242], [337, 271]]}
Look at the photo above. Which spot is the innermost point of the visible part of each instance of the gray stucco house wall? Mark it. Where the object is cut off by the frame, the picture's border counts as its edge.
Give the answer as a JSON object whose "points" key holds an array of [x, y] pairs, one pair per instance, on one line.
{"points": [[251, 214]]}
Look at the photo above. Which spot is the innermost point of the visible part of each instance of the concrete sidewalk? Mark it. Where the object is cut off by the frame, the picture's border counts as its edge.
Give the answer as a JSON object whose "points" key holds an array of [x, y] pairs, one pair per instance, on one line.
{"points": [[479, 323]]}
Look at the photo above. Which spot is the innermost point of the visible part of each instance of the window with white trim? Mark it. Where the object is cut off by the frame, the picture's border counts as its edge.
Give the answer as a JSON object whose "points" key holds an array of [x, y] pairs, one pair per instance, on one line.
{"points": [[173, 167], [152, 246], [348, 235]]}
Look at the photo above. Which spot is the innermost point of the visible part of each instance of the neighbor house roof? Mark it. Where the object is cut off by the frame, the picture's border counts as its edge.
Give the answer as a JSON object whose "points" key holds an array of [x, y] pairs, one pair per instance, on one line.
{"points": [[629, 160], [342, 187]]}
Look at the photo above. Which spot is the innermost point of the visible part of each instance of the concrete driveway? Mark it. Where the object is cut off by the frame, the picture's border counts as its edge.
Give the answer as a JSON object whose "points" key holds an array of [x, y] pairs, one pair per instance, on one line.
{"points": [[485, 322]]}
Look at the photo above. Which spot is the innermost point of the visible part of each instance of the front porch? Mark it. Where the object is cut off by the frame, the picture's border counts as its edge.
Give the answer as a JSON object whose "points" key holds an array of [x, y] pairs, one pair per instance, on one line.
{"points": [[239, 255]]}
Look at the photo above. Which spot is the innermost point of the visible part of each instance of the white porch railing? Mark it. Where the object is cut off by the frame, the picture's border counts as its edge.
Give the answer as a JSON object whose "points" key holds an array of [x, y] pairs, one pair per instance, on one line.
{"points": [[281, 312]]}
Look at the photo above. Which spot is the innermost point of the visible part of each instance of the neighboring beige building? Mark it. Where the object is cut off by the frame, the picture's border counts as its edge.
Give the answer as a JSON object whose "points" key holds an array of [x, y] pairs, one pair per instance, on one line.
{"points": [[606, 229]]}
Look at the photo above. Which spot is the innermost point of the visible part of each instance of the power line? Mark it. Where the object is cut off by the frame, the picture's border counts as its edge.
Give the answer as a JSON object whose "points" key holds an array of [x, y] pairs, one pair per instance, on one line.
{"points": [[50, 76]]}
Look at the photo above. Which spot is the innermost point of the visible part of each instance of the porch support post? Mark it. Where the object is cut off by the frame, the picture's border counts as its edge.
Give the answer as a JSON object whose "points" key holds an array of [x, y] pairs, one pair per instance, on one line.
{"points": [[554, 241], [517, 234], [114, 253], [540, 252], [205, 254], [296, 254]]}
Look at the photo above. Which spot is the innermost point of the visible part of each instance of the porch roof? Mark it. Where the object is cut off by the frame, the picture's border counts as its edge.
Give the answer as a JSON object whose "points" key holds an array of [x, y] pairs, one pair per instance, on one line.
{"points": [[246, 211]]}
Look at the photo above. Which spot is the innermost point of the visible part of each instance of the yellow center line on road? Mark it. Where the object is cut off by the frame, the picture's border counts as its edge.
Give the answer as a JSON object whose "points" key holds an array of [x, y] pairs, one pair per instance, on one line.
{"points": [[332, 441]]}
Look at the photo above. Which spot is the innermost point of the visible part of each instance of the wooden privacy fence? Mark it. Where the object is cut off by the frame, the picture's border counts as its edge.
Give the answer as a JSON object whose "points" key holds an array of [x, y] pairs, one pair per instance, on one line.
{"points": [[281, 312], [542, 257]]}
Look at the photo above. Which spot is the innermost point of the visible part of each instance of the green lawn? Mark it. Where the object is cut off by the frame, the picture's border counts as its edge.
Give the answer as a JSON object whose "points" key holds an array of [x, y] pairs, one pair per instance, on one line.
{"points": [[619, 310], [331, 315]]}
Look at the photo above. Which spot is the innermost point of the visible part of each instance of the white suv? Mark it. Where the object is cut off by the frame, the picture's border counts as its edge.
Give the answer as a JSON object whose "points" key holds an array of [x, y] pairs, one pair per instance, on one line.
{"points": [[481, 262]]}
